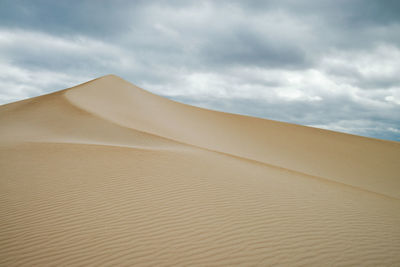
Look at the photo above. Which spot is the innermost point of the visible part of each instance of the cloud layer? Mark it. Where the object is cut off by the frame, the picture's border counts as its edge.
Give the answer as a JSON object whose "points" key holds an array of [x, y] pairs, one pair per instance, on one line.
{"points": [[329, 64]]}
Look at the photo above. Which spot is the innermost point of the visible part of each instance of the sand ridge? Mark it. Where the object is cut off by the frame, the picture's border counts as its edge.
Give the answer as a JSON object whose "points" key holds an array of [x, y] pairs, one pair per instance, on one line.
{"points": [[308, 150], [106, 173]]}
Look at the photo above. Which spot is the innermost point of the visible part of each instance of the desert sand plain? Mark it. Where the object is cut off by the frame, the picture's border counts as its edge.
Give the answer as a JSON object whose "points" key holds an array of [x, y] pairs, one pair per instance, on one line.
{"points": [[108, 174]]}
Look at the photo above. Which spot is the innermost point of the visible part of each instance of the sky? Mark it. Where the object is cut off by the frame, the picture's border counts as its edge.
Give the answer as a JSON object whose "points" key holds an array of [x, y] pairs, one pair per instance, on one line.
{"points": [[327, 64]]}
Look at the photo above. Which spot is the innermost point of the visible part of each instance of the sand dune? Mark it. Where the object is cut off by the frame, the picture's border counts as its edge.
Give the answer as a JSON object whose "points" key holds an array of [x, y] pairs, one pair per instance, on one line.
{"points": [[107, 174]]}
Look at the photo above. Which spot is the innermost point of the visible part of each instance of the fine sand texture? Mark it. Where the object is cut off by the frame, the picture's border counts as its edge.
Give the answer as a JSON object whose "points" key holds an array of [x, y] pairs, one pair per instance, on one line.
{"points": [[108, 174]]}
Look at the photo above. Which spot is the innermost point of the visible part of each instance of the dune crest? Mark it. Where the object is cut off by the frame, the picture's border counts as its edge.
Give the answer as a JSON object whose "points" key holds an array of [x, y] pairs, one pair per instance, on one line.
{"points": [[326, 154], [108, 173]]}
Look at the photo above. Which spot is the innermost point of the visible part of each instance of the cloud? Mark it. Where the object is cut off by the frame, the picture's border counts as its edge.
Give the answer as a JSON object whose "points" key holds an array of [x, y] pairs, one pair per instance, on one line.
{"points": [[17, 84], [329, 64]]}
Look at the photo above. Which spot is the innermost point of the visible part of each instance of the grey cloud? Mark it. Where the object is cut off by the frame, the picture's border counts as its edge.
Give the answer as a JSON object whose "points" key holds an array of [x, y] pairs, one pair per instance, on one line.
{"points": [[246, 48], [61, 17]]}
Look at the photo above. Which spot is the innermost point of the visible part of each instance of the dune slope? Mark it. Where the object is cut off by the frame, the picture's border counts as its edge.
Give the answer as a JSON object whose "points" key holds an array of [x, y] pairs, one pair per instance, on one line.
{"points": [[106, 173]]}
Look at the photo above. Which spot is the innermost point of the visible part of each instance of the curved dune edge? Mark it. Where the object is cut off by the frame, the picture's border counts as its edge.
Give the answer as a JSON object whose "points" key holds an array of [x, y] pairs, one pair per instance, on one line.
{"points": [[107, 174], [320, 153]]}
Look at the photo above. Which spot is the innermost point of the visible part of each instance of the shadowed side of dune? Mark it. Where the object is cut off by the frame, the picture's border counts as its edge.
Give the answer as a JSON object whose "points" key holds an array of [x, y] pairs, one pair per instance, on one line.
{"points": [[362, 162], [52, 118]]}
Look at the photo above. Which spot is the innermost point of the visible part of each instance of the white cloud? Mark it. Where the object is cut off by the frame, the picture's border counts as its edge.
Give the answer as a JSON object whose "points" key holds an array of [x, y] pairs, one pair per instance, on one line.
{"points": [[373, 67], [394, 130], [393, 99], [18, 83]]}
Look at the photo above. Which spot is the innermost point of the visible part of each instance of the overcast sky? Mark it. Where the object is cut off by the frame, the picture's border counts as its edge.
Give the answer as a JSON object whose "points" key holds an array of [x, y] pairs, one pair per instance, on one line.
{"points": [[329, 64]]}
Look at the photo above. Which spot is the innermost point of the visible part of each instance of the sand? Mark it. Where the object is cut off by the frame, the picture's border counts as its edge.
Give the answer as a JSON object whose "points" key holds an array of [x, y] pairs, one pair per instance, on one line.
{"points": [[108, 174]]}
